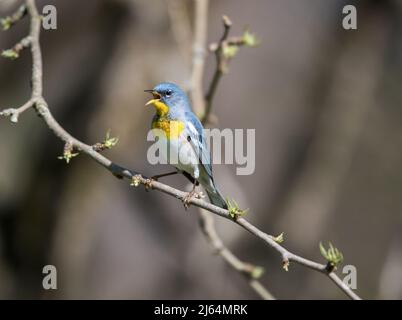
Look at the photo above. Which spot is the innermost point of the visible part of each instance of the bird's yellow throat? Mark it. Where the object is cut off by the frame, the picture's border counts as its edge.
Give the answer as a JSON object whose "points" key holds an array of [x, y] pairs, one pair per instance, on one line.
{"points": [[170, 129], [161, 108]]}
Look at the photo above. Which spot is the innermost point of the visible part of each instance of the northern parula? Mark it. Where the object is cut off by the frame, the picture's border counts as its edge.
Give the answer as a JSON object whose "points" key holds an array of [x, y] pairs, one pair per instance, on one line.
{"points": [[182, 136]]}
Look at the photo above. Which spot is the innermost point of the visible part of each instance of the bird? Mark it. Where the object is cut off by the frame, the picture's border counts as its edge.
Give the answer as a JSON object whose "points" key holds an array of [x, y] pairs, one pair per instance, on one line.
{"points": [[181, 133]]}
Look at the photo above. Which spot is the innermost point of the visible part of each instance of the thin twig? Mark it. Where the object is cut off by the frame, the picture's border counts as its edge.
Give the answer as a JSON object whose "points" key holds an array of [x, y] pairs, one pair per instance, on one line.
{"points": [[121, 172], [229, 41], [15, 51], [8, 22], [219, 70], [251, 272], [15, 113]]}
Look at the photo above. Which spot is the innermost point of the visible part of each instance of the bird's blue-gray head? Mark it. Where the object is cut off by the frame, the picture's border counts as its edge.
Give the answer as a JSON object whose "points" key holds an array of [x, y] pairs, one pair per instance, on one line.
{"points": [[169, 99]]}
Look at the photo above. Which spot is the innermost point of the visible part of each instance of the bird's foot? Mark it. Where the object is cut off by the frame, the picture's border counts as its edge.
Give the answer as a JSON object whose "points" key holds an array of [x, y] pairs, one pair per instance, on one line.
{"points": [[193, 194]]}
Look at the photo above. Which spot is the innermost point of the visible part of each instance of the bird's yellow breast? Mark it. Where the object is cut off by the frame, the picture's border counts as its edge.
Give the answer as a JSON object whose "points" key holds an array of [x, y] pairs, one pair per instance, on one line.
{"points": [[171, 128]]}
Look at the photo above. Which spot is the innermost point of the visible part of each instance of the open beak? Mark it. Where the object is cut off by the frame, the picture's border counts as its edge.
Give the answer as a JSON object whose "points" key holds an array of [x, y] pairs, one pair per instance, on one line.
{"points": [[156, 96]]}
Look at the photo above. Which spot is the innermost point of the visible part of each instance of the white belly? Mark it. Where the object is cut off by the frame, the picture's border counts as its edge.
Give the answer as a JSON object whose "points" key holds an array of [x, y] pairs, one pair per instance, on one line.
{"points": [[180, 154]]}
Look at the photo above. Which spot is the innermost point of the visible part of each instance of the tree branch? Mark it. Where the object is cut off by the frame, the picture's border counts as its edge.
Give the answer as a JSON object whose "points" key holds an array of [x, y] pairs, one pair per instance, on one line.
{"points": [[219, 70], [41, 107], [251, 272], [224, 50]]}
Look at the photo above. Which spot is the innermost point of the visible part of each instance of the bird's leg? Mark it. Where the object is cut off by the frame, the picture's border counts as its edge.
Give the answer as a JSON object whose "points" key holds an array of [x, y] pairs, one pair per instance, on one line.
{"points": [[148, 184], [190, 178], [191, 194], [156, 177]]}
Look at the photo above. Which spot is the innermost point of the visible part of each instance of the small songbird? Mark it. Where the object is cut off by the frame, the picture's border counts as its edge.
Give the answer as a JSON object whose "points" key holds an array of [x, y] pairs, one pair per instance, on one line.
{"points": [[182, 135]]}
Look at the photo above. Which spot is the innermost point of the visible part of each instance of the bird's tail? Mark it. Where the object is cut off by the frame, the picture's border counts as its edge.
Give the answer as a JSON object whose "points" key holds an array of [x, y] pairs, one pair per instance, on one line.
{"points": [[216, 197]]}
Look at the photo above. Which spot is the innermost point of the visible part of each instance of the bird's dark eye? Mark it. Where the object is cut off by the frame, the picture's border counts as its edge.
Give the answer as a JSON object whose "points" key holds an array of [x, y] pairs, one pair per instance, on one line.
{"points": [[168, 93]]}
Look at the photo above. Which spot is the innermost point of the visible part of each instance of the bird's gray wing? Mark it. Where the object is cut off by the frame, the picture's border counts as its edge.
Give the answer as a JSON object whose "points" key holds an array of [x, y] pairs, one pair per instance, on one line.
{"points": [[196, 137]]}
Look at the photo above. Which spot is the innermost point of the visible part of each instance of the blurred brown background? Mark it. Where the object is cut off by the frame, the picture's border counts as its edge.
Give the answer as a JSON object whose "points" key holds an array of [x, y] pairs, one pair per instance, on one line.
{"points": [[326, 106]]}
